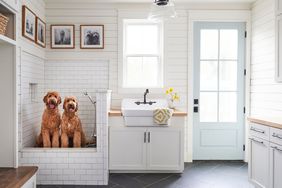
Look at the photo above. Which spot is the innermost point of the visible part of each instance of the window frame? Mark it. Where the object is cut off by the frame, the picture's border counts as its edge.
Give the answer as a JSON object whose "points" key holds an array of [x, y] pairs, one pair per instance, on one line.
{"points": [[125, 55]]}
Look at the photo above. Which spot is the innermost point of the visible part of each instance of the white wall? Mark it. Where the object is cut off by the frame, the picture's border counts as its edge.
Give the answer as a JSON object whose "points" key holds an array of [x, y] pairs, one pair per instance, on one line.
{"points": [[266, 97], [30, 70]]}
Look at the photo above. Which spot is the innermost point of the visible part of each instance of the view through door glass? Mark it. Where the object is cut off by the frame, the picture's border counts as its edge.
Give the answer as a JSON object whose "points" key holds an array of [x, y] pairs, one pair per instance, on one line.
{"points": [[219, 86]]}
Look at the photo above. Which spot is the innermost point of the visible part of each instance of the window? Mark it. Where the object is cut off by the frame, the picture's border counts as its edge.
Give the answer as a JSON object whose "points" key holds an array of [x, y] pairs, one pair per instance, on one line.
{"points": [[142, 54]]}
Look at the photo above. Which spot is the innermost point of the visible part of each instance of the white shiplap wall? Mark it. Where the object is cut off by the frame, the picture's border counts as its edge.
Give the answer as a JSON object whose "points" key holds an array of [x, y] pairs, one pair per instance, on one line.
{"points": [[86, 12], [266, 94], [31, 59]]}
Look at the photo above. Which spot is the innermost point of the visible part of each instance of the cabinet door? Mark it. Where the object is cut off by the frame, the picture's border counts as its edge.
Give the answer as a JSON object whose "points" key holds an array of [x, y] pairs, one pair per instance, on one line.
{"points": [[164, 149], [275, 166], [127, 148], [259, 162]]}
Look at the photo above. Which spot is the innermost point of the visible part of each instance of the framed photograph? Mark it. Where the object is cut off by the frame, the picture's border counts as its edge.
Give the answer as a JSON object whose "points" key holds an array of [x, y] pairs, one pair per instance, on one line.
{"points": [[28, 23], [40, 37], [92, 36], [62, 36]]}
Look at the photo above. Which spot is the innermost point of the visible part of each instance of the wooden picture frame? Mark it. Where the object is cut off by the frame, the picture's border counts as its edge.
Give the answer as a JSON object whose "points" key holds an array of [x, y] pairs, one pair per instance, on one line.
{"points": [[28, 23], [62, 36], [92, 36], [40, 37]]}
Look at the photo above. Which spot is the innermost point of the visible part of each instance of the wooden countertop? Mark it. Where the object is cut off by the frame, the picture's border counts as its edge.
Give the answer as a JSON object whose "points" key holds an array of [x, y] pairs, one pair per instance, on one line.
{"points": [[275, 122], [16, 177], [117, 112]]}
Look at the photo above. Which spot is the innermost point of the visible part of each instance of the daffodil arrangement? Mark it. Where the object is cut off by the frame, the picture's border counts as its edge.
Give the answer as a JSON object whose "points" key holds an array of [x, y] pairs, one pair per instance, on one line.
{"points": [[172, 96]]}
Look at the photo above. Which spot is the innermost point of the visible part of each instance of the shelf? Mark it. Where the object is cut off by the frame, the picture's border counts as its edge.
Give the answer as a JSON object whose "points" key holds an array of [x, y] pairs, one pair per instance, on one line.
{"points": [[7, 40]]}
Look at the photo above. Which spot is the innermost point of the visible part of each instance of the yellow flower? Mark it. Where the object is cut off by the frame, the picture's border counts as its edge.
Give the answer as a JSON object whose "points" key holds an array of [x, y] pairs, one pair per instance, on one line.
{"points": [[167, 92], [175, 97], [171, 89]]}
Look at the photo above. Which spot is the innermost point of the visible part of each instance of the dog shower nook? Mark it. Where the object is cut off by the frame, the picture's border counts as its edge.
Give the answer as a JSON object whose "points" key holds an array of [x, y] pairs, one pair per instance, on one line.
{"points": [[80, 166]]}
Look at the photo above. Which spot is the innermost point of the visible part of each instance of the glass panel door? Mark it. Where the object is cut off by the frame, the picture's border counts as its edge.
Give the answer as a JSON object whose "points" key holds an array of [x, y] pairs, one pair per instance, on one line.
{"points": [[219, 87]]}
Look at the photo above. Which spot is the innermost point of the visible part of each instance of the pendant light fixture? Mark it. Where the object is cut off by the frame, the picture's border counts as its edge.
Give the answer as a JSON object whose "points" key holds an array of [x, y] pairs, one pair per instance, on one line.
{"points": [[162, 10]]}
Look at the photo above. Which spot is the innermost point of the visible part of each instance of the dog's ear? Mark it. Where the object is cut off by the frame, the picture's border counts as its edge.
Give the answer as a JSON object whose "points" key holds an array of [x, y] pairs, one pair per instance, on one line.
{"points": [[59, 100], [76, 106], [45, 98], [64, 105]]}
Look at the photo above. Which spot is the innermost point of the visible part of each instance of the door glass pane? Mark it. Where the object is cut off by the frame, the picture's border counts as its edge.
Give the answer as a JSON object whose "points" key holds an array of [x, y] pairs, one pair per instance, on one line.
{"points": [[228, 106], [208, 107], [228, 44], [208, 75], [228, 75], [209, 44]]}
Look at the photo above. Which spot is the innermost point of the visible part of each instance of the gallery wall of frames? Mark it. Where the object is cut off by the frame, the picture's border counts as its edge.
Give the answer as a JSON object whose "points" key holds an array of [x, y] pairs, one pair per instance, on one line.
{"points": [[62, 35]]}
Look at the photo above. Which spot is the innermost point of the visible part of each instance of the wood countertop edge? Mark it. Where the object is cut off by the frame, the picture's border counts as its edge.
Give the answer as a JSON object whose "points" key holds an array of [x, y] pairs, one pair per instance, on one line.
{"points": [[17, 183], [266, 122], [117, 112]]}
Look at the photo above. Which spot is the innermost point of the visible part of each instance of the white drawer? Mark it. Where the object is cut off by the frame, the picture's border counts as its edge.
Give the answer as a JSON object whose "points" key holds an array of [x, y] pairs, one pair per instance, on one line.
{"points": [[259, 131], [276, 136]]}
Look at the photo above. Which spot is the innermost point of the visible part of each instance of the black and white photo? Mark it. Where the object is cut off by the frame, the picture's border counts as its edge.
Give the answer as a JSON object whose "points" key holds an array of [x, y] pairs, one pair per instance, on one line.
{"points": [[92, 36], [40, 32], [28, 23], [62, 36]]}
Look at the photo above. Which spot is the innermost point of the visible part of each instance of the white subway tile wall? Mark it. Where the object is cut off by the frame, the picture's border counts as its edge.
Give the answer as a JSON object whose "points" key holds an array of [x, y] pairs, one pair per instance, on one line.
{"points": [[85, 166], [74, 78]]}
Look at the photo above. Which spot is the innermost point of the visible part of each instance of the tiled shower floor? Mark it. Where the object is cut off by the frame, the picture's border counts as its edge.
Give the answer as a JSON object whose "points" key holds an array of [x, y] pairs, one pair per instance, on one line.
{"points": [[199, 174]]}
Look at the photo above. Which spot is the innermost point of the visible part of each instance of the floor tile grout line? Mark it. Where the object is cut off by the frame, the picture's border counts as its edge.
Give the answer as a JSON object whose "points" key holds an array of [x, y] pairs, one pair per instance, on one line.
{"points": [[159, 180]]}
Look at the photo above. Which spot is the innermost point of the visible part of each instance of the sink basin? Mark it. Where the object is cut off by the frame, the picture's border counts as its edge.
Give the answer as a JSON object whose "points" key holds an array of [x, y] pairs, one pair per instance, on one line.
{"points": [[142, 114]]}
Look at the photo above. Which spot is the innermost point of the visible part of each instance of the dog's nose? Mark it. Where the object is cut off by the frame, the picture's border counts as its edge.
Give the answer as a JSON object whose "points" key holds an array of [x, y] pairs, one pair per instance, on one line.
{"points": [[52, 101]]}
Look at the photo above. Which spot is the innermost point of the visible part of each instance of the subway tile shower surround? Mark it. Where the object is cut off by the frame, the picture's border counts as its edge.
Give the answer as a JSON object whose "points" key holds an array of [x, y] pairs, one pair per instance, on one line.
{"points": [[76, 166]]}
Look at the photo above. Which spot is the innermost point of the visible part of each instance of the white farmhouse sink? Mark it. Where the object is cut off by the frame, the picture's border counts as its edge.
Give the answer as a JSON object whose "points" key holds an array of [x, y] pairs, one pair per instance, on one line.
{"points": [[142, 114]]}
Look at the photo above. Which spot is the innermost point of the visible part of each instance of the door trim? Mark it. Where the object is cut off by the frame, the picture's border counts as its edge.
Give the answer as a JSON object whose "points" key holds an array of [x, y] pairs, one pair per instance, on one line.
{"points": [[214, 16]]}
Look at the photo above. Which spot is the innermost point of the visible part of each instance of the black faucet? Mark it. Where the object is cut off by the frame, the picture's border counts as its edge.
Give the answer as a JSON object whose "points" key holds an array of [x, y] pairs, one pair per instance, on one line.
{"points": [[145, 96], [145, 99]]}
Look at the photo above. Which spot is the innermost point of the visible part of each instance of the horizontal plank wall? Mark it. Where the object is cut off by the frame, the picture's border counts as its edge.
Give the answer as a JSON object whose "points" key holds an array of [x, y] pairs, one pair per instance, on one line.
{"points": [[91, 12], [265, 92]]}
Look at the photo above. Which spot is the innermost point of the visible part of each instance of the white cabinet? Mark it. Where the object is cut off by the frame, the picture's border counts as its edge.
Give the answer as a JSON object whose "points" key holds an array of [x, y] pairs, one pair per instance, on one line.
{"points": [[127, 148], [278, 7], [259, 162], [145, 149], [164, 149], [31, 183], [275, 166], [265, 156]]}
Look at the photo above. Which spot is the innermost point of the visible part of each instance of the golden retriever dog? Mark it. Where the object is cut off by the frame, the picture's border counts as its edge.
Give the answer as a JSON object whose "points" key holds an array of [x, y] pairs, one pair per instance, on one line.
{"points": [[71, 129], [51, 121]]}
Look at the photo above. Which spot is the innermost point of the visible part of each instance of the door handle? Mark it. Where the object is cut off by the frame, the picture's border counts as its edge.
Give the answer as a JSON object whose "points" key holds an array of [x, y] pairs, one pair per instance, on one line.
{"points": [[276, 148], [257, 130], [145, 137], [260, 142], [276, 136], [149, 137]]}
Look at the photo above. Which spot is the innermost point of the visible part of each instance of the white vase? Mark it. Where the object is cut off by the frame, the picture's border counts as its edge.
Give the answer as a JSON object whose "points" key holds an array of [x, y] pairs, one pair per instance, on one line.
{"points": [[171, 104]]}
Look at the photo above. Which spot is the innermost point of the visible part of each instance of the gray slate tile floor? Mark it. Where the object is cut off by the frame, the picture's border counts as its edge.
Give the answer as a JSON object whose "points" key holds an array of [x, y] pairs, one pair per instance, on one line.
{"points": [[199, 174]]}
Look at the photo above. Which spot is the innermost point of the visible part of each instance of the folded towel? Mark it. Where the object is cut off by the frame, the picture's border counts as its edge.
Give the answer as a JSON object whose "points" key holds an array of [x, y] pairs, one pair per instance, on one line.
{"points": [[162, 116]]}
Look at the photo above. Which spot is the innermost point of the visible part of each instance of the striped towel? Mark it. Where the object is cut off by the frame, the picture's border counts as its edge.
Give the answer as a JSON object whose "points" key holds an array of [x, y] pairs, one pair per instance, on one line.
{"points": [[162, 116]]}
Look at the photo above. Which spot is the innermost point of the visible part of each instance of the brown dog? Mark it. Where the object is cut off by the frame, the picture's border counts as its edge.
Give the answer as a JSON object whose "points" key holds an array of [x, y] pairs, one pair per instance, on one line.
{"points": [[51, 121], [71, 130]]}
